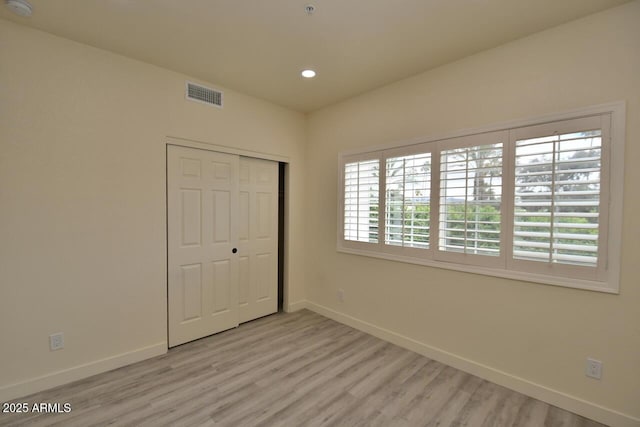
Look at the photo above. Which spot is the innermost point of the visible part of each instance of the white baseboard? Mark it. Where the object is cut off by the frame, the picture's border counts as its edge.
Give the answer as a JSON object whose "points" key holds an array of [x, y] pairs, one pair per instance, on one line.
{"points": [[54, 379], [295, 306], [521, 385]]}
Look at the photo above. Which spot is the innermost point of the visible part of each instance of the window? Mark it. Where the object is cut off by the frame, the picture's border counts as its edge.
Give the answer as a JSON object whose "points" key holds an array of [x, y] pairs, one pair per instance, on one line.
{"points": [[529, 201]]}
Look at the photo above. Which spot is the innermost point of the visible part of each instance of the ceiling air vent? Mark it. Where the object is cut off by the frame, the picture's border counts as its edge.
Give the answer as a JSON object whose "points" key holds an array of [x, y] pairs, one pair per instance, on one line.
{"points": [[204, 94]]}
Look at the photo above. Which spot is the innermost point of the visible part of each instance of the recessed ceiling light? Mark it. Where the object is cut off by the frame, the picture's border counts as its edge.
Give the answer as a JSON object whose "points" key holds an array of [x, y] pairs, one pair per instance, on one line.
{"points": [[19, 7], [308, 74]]}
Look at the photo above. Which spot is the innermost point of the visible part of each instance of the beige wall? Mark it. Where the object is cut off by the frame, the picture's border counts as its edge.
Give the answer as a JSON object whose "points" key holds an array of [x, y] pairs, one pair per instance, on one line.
{"points": [[82, 200], [82, 207], [542, 334]]}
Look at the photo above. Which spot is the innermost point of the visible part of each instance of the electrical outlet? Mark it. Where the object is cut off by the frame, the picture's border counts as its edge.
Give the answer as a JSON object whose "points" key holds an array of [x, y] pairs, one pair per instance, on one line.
{"points": [[594, 368], [56, 341], [340, 295]]}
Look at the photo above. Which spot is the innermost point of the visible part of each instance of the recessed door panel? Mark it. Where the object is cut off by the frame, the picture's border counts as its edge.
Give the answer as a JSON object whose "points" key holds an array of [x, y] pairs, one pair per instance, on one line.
{"points": [[221, 172], [264, 215], [191, 168], [265, 276], [190, 222], [221, 216], [191, 291], [221, 286], [264, 175]]}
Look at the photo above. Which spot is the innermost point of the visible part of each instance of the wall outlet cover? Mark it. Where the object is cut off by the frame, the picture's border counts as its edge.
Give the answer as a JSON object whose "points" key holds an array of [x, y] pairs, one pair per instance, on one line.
{"points": [[594, 368], [56, 341]]}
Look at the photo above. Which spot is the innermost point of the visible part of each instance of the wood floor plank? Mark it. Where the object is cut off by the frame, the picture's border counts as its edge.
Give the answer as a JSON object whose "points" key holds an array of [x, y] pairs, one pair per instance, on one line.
{"points": [[480, 404], [449, 413], [532, 413], [403, 396], [506, 411], [435, 395], [297, 369]]}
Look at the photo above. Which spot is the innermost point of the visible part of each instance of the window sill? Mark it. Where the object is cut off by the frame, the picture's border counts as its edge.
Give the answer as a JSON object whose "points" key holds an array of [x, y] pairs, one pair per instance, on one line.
{"points": [[610, 288]]}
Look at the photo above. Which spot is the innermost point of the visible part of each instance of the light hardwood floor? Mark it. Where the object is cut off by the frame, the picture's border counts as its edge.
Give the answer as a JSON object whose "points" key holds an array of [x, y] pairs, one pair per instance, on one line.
{"points": [[298, 369]]}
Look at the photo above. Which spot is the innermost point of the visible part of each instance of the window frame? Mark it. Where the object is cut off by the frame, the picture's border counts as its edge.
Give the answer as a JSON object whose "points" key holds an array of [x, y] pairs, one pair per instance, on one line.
{"points": [[607, 273]]}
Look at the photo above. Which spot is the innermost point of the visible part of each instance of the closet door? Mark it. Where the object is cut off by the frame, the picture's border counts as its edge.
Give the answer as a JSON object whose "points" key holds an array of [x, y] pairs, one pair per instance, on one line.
{"points": [[258, 238], [202, 219]]}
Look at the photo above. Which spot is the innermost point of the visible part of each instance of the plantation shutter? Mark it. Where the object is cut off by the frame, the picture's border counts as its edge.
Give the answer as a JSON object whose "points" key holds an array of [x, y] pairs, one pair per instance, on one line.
{"points": [[361, 200], [557, 196], [534, 202], [470, 200], [407, 200]]}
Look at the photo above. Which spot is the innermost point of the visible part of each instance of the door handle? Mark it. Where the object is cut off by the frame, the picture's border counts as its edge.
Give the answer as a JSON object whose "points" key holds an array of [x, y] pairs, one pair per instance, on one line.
{"points": [[234, 250]]}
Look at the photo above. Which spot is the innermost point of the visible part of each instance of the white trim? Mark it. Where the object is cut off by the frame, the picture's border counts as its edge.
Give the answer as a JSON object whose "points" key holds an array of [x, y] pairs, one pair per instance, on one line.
{"points": [[538, 391], [567, 282], [184, 142], [295, 306], [54, 379], [616, 185]]}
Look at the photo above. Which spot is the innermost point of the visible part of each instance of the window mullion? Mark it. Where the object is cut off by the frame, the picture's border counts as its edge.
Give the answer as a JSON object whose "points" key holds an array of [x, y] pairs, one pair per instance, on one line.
{"points": [[507, 217], [605, 197], [466, 198], [382, 201], [434, 235], [552, 216], [404, 183], [358, 203]]}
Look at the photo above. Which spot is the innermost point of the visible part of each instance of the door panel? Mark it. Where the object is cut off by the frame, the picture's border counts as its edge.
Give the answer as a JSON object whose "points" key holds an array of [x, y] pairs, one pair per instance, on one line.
{"points": [[259, 190], [202, 205]]}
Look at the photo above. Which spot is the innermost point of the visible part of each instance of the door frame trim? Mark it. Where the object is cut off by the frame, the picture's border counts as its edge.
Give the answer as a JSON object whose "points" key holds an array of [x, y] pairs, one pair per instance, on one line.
{"points": [[189, 143]]}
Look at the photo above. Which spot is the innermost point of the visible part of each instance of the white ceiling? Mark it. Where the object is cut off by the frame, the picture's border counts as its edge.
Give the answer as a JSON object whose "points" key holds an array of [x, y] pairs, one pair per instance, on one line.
{"points": [[259, 47]]}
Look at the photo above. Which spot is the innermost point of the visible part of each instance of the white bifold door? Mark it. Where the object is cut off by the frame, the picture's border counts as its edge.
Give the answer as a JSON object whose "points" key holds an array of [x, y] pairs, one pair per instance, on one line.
{"points": [[222, 214]]}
